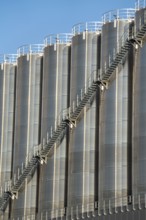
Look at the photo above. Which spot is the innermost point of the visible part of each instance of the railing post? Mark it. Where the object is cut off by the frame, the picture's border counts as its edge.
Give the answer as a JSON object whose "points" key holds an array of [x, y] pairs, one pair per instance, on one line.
{"points": [[44, 142], [115, 203], [86, 27], [5, 186], [104, 207], [77, 100], [118, 14], [26, 160], [105, 66], [83, 211], [88, 211], [47, 137], [77, 212], [133, 202], [95, 75], [73, 106], [122, 204], [51, 131], [114, 53], [30, 51], [109, 59], [139, 202], [110, 210], [99, 213], [81, 94], [22, 168], [14, 180]]}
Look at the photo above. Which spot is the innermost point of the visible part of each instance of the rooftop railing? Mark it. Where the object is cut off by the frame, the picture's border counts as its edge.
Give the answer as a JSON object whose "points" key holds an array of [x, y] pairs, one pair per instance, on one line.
{"points": [[140, 4], [8, 58], [63, 38], [122, 14], [30, 49], [93, 26]]}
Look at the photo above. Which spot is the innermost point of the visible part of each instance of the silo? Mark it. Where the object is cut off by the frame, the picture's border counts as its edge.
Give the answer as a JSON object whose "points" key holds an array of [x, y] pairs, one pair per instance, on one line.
{"points": [[55, 96], [85, 62], [27, 124], [7, 112], [115, 112], [139, 108]]}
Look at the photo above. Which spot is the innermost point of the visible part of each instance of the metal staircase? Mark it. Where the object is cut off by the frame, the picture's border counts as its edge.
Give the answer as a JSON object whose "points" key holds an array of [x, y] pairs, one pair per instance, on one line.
{"points": [[117, 60], [140, 35], [70, 119]]}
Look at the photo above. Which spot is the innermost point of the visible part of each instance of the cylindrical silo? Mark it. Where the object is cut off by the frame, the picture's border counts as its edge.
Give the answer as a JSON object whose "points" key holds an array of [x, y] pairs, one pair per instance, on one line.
{"points": [[115, 112], [85, 62], [55, 96], [7, 113], [27, 124], [139, 109]]}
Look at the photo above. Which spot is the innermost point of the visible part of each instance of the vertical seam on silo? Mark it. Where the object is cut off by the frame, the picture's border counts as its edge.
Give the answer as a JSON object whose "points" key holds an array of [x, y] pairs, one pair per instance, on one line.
{"points": [[55, 123], [29, 101], [134, 170], [28, 133], [84, 143], [3, 110], [116, 122], [6, 164]]}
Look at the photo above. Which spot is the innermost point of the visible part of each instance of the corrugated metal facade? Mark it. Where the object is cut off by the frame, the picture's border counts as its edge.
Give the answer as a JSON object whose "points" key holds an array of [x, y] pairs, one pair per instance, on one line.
{"points": [[98, 169]]}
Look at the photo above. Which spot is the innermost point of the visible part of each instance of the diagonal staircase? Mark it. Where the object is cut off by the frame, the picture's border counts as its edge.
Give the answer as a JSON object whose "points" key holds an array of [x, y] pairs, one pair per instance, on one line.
{"points": [[117, 60], [70, 119]]}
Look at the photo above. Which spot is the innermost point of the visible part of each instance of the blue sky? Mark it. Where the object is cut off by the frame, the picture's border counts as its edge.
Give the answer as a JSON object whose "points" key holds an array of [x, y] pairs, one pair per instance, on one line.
{"points": [[29, 21]]}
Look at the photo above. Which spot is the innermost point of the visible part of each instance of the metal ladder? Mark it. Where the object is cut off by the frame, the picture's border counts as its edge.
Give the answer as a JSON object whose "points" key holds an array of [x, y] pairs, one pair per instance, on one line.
{"points": [[69, 120]]}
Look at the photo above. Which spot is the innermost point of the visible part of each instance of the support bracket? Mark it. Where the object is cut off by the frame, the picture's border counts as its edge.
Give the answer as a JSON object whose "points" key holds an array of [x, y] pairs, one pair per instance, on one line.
{"points": [[14, 195], [71, 123], [135, 43], [104, 84], [43, 160]]}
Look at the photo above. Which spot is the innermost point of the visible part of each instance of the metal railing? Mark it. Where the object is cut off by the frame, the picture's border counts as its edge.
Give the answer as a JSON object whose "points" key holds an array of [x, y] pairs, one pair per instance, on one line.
{"points": [[63, 38], [140, 4], [109, 206], [122, 14], [93, 209], [30, 49], [93, 26], [8, 58], [125, 37]]}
